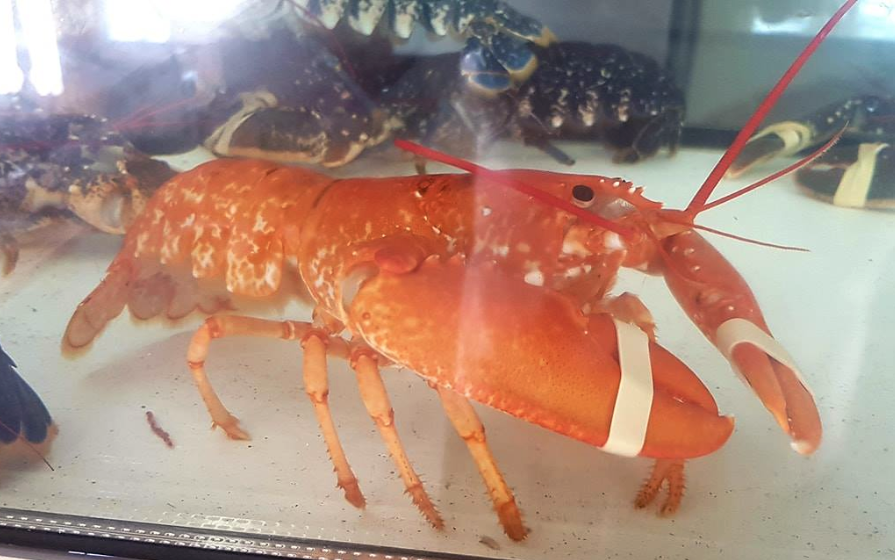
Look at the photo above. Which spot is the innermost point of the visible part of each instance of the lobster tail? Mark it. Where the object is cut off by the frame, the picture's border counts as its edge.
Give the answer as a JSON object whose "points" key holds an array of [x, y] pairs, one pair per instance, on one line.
{"points": [[103, 304], [178, 256]]}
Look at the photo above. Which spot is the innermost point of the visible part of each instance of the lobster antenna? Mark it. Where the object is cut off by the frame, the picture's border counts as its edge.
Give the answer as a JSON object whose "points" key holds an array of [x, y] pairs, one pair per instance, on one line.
{"points": [[520, 186], [705, 191], [749, 240], [139, 118], [785, 171]]}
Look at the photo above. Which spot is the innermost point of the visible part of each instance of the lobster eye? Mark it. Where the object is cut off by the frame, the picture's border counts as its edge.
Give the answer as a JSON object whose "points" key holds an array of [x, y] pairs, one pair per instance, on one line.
{"points": [[582, 196]]}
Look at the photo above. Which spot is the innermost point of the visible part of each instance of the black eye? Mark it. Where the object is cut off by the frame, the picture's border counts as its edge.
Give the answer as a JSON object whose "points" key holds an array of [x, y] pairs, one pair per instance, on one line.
{"points": [[582, 195]]}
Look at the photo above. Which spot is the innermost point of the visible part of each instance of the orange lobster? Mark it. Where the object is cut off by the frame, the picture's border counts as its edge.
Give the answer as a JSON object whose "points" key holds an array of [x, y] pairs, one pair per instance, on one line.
{"points": [[485, 294]]}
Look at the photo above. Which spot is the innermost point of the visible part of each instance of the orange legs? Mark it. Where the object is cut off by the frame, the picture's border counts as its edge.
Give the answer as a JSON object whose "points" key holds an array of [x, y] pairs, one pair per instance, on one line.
{"points": [[375, 398], [663, 470], [314, 376], [317, 388], [470, 428], [316, 344]]}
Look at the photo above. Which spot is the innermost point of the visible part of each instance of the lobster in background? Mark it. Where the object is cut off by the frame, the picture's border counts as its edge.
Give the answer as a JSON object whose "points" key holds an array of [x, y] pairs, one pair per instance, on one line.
{"points": [[66, 166], [497, 54], [302, 101], [857, 174], [424, 272], [25, 423], [580, 91]]}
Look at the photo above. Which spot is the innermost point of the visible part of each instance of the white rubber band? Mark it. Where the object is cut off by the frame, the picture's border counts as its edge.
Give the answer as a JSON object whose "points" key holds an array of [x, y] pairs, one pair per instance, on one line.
{"points": [[627, 432], [855, 184], [734, 332], [795, 135], [219, 140]]}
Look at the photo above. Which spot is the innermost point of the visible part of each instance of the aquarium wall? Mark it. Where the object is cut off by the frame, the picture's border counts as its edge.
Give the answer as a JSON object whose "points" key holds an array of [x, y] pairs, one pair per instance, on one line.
{"points": [[445, 279]]}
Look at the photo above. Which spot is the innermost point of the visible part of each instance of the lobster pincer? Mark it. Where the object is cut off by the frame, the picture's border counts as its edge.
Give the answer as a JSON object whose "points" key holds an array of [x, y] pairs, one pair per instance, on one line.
{"points": [[598, 380], [67, 167], [860, 117], [718, 300], [853, 175], [857, 172]]}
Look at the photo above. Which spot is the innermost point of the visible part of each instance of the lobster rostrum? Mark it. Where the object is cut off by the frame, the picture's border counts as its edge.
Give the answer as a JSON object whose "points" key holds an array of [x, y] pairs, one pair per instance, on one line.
{"points": [[423, 272]]}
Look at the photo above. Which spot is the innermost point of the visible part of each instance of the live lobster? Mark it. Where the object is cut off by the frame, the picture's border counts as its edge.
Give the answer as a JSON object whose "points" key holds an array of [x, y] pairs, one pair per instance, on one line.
{"points": [[484, 293]]}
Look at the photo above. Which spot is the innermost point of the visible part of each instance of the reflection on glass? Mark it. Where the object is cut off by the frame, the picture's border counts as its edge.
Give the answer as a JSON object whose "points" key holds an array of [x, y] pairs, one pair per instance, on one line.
{"points": [[873, 21], [39, 31], [155, 21], [10, 75]]}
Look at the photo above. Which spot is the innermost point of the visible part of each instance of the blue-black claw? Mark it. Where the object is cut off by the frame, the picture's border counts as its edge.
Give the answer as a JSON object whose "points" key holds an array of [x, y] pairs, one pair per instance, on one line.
{"points": [[853, 176], [22, 413], [482, 70], [514, 55], [866, 118]]}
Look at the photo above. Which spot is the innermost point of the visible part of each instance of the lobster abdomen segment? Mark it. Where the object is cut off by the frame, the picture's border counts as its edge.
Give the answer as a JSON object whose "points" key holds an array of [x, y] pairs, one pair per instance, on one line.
{"points": [[226, 228], [526, 351]]}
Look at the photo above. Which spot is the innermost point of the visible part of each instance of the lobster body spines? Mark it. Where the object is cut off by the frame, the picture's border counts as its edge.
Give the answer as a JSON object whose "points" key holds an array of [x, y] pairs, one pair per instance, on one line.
{"points": [[484, 335]]}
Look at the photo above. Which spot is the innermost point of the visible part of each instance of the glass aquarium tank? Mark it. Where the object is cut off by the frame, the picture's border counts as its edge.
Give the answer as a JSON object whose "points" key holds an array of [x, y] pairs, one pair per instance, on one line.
{"points": [[447, 278]]}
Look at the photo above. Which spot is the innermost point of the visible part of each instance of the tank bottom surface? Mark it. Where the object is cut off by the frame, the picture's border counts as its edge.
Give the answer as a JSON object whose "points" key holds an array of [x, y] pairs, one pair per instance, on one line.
{"points": [[755, 498]]}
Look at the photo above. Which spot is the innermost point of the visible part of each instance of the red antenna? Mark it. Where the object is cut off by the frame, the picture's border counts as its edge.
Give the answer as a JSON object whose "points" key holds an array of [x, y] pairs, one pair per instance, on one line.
{"points": [[773, 177], [705, 191]]}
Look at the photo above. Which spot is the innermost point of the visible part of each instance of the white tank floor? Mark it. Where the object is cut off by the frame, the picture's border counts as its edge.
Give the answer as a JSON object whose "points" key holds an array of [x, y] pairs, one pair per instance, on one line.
{"points": [[832, 308]]}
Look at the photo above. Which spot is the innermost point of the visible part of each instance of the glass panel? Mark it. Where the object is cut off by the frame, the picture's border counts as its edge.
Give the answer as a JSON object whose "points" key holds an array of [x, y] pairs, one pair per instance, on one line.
{"points": [[174, 161]]}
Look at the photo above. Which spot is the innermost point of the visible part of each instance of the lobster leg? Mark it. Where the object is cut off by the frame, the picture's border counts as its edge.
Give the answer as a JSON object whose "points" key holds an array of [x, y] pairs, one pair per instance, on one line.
{"points": [[470, 429], [375, 398], [629, 308], [317, 388], [314, 376], [664, 469], [720, 303]]}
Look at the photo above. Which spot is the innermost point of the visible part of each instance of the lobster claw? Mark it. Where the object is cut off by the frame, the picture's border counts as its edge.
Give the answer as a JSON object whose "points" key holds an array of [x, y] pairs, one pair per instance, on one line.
{"points": [[769, 370], [718, 300], [482, 70], [863, 118], [778, 140], [494, 62], [855, 176]]}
